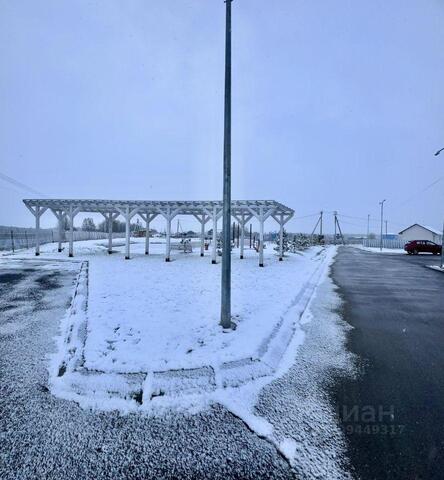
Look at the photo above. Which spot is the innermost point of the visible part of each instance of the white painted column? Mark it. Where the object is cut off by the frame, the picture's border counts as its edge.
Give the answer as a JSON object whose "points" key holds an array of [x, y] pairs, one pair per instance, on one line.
{"points": [[202, 236], [281, 238], [261, 238], [168, 238], [110, 219], [242, 240], [60, 218], [213, 261], [37, 231], [71, 233], [147, 237], [127, 234]]}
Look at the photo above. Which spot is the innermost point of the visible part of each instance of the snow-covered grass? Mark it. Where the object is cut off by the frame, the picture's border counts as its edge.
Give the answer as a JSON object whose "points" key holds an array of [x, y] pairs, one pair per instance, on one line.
{"points": [[145, 328], [147, 314]]}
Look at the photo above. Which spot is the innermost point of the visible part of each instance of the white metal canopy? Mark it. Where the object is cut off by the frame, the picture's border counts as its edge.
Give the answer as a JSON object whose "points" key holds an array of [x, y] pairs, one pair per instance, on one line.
{"points": [[242, 210]]}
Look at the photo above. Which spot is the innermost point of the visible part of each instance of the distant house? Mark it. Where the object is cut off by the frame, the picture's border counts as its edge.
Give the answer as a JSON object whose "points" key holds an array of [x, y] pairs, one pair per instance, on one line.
{"points": [[421, 232]]}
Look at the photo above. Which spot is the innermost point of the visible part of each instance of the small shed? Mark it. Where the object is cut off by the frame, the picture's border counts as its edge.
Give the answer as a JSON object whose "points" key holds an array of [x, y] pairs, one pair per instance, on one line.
{"points": [[421, 232]]}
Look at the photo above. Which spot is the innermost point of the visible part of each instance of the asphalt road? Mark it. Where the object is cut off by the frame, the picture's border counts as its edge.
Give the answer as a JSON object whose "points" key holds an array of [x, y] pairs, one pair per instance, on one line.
{"points": [[393, 413]]}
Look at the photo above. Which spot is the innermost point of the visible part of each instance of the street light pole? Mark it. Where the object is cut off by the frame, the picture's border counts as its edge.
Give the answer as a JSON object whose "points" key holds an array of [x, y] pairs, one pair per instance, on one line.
{"points": [[225, 312], [442, 238], [442, 246], [382, 221]]}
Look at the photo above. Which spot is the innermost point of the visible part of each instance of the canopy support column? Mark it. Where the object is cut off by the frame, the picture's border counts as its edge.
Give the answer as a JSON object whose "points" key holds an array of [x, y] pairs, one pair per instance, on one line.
{"points": [[168, 215], [202, 219], [127, 234], [202, 238], [242, 220], [110, 234], [147, 237], [72, 213], [261, 238], [127, 214], [261, 217], [213, 260], [61, 231], [281, 220], [60, 215], [168, 240], [147, 218], [109, 219], [37, 211]]}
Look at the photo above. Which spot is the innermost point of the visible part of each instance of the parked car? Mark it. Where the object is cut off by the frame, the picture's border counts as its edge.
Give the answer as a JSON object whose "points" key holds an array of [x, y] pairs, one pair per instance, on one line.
{"points": [[422, 246]]}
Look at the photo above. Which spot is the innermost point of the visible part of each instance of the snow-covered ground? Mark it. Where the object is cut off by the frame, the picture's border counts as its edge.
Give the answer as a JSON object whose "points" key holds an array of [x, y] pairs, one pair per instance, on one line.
{"points": [[287, 408], [384, 250], [145, 316], [436, 267]]}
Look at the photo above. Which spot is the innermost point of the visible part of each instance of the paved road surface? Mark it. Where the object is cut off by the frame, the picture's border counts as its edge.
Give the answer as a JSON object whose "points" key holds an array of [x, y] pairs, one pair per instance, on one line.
{"points": [[393, 415]]}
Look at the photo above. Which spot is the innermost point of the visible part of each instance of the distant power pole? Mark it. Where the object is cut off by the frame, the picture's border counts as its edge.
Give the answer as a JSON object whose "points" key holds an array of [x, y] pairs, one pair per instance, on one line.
{"points": [[335, 214], [320, 225], [225, 311], [368, 226], [382, 221], [339, 228]]}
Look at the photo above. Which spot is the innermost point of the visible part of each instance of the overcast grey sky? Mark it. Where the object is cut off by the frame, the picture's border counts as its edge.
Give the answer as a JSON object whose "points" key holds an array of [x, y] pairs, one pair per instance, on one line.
{"points": [[336, 104]]}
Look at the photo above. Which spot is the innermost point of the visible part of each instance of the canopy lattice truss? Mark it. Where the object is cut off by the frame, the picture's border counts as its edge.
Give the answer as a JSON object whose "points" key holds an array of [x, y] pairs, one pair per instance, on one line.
{"points": [[203, 211]]}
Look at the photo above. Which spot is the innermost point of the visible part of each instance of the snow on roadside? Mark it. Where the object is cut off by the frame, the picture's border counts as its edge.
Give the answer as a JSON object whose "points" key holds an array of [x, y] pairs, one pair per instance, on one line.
{"points": [[291, 409], [377, 250]]}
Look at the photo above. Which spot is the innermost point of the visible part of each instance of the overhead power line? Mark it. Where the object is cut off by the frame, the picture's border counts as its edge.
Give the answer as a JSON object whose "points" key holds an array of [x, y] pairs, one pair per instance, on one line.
{"points": [[21, 185]]}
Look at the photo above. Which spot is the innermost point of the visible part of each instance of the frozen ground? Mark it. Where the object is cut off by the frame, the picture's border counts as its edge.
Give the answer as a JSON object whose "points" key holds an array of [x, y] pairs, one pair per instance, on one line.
{"points": [[270, 428]]}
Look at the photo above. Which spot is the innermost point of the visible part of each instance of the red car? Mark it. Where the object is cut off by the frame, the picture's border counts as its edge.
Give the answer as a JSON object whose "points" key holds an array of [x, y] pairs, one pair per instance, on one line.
{"points": [[422, 246]]}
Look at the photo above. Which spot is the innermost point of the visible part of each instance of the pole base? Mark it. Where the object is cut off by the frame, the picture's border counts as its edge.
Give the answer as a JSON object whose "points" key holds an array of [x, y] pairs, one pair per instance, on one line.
{"points": [[280, 259], [146, 253], [110, 252], [167, 259], [201, 254], [37, 254], [127, 258], [59, 250], [261, 264], [213, 262], [71, 255]]}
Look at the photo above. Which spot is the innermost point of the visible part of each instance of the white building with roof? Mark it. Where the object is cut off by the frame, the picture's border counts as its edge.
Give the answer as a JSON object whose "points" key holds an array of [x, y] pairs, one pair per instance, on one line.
{"points": [[421, 232]]}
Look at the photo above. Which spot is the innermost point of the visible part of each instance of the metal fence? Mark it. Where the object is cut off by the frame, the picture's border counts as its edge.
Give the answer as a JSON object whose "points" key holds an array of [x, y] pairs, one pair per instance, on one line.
{"points": [[14, 238], [386, 243]]}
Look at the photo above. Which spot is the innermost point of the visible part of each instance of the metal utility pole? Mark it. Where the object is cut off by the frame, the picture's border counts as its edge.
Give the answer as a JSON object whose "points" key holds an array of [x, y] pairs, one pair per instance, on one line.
{"points": [[368, 226], [386, 229], [225, 311], [335, 213], [382, 221], [320, 226]]}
